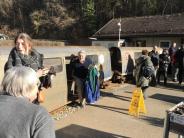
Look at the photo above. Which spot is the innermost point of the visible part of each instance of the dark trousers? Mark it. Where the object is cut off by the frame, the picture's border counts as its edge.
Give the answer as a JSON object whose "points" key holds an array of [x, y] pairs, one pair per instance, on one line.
{"points": [[154, 78], [180, 74], [159, 73]]}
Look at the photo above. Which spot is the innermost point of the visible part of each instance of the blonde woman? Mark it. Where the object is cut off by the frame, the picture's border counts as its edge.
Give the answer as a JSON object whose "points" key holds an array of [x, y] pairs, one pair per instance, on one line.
{"points": [[23, 54]]}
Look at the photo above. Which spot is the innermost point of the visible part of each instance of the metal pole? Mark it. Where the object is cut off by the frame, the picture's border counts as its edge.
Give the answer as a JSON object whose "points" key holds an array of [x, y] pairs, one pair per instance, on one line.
{"points": [[119, 33], [166, 126], [119, 24]]}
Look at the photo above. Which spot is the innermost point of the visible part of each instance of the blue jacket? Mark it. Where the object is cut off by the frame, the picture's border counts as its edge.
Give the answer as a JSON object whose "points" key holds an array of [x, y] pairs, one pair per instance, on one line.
{"points": [[92, 91]]}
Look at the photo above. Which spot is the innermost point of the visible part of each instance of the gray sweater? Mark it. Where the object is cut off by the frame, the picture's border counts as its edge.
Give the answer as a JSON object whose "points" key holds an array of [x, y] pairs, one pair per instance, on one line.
{"points": [[21, 119]]}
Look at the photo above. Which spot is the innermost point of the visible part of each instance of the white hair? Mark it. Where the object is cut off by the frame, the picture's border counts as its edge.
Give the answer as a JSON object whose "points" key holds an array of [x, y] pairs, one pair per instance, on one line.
{"points": [[82, 51], [19, 82]]}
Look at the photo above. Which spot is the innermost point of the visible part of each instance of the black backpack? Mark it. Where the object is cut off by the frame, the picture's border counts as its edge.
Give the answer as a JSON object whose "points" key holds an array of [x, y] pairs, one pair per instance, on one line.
{"points": [[147, 71]]}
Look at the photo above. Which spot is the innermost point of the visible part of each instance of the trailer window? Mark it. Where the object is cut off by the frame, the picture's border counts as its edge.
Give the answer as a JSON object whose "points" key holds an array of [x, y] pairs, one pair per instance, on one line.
{"points": [[53, 62], [94, 58]]}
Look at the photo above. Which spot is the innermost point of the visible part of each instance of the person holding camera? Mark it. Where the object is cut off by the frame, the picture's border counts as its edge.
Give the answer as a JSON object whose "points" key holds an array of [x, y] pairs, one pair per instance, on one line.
{"points": [[20, 118], [80, 70], [23, 54]]}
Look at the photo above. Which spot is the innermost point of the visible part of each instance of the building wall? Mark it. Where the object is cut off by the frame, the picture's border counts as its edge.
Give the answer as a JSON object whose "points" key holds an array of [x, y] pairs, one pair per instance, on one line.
{"points": [[106, 44], [149, 42]]}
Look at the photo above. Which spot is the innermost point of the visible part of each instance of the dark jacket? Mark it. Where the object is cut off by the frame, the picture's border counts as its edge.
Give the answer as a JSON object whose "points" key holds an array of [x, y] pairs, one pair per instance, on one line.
{"points": [[172, 52], [180, 58], [33, 60], [80, 70], [164, 61], [154, 58]]}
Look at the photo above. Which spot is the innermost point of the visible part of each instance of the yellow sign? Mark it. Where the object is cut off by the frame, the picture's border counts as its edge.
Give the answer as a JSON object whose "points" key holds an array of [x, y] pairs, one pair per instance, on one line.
{"points": [[137, 103]]}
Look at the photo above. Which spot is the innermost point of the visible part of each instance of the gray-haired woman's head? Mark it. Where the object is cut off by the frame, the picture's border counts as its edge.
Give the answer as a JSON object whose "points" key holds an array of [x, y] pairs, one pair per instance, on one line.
{"points": [[20, 82], [82, 56]]}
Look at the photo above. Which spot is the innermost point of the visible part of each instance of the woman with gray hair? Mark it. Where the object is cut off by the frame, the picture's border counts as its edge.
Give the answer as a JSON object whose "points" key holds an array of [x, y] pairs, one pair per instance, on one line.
{"points": [[23, 119], [80, 69]]}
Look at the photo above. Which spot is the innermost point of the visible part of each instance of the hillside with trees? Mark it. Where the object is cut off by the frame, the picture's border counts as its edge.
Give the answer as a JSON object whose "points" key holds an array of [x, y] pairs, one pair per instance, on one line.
{"points": [[74, 19]]}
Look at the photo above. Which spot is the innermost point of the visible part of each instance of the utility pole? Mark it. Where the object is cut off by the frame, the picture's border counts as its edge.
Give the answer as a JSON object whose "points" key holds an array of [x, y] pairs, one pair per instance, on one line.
{"points": [[119, 24]]}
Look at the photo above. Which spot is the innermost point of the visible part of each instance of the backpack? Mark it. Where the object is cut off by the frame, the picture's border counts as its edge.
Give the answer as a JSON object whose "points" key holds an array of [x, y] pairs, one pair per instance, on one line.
{"points": [[147, 71]]}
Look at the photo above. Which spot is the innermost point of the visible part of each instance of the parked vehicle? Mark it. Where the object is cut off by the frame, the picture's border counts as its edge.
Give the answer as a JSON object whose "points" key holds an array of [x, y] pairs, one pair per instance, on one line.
{"points": [[112, 59], [59, 58], [3, 37]]}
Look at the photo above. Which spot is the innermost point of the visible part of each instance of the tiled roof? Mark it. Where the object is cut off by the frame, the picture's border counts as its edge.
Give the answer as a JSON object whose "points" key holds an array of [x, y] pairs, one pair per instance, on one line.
{"points": [[167, 25]]}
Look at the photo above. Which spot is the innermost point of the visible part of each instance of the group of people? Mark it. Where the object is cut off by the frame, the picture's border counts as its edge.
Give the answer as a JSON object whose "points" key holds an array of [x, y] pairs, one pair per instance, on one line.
{"points": [[20, 90], [150, 66], [20, 87]]}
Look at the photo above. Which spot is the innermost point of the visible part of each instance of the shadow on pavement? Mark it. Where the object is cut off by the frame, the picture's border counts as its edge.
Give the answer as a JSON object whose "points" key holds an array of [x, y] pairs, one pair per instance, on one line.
{"points": [[106, 94], [128, 92], [114, 109], [167, 98], [76, 131], [153, 121], [171, 86]]}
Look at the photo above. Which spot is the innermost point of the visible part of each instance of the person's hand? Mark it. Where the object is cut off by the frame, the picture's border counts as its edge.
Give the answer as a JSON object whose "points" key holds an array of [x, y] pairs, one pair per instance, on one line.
{"points": [[45, 71], [42, 72], [39, 72]]}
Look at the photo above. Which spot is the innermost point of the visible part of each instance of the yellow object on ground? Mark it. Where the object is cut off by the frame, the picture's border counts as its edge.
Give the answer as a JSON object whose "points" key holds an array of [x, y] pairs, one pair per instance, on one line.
{"points": [[137, 103]]}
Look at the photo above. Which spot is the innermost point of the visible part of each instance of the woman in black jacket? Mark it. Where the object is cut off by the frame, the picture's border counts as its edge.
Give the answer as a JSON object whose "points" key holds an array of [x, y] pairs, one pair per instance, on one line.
{"points": [[23, 54]]}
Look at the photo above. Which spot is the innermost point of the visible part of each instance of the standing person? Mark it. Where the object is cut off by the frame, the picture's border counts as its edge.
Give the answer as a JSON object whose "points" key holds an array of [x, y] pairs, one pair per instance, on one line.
{"points": [[164, 61], [23, 54], [101, 77], [180, 62], [155, 60], [20, 118], [80, 71], [174, 67], [143, 76]]}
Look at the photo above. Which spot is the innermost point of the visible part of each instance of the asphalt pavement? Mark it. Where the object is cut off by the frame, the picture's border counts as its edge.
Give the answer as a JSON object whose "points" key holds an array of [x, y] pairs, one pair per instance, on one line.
{"points": [[109, 118]]}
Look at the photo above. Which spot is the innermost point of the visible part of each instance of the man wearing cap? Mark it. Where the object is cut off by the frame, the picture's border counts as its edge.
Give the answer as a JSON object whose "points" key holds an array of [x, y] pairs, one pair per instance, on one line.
{"points": [[80, 70]]}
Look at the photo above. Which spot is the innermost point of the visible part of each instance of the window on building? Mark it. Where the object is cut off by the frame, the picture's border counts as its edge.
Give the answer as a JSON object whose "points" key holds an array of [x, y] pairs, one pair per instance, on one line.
{"points": [[141, 43], [165, 44]]}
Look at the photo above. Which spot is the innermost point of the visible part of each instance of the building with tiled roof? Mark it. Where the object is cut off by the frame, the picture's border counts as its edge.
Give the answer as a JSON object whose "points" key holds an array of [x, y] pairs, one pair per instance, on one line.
{"points": [[143, 31]]}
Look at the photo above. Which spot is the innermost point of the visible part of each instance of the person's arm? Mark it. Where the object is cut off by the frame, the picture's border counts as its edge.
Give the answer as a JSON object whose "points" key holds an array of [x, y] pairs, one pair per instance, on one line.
{"points": [[42, 71], [9, 63]]}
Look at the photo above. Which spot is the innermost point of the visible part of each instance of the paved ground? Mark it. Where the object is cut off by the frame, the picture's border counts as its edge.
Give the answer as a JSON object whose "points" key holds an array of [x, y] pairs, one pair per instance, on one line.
{"points": [[109, 117]]}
